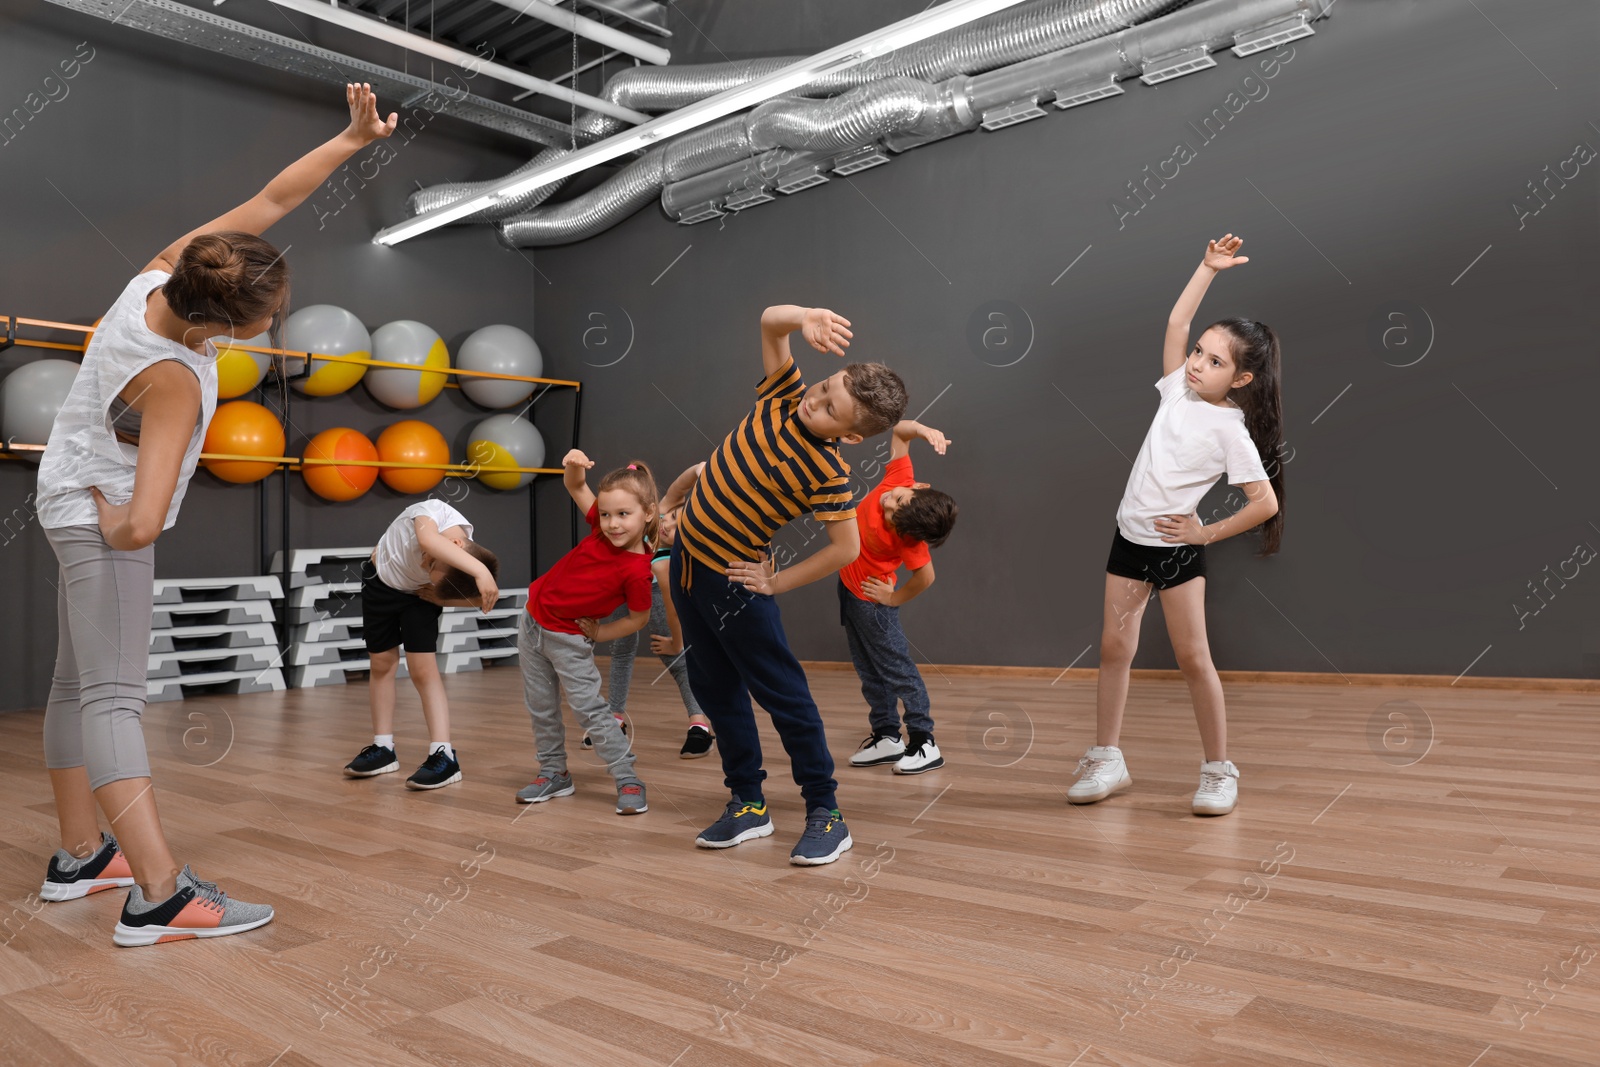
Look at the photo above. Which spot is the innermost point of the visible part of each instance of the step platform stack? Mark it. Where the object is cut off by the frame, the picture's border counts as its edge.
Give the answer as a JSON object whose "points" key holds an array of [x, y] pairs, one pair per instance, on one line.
{"points": [[214, 635], [323, 614]]}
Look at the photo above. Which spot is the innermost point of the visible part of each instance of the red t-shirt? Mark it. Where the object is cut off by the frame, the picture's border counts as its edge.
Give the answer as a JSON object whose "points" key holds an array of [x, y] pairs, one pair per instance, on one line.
{"points": [[883, 550], [590, 582]]}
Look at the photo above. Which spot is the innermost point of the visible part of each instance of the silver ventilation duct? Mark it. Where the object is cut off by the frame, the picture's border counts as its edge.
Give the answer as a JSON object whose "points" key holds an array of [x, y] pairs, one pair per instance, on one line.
{"points": [[1154, 51], [1007, 37]]}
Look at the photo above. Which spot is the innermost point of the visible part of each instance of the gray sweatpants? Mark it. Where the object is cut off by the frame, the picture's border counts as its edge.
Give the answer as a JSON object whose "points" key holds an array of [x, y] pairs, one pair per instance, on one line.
{"points": [[549, 658], [102, 655], [624, 649]]}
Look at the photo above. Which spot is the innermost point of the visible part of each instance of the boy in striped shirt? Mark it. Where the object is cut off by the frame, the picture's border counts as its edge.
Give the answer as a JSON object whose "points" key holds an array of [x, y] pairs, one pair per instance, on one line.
{"points": [[780, 461]]}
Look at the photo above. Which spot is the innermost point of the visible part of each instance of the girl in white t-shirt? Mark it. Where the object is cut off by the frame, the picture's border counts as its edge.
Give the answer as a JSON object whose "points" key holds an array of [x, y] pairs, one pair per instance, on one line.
{"points": [[1221, 413]]}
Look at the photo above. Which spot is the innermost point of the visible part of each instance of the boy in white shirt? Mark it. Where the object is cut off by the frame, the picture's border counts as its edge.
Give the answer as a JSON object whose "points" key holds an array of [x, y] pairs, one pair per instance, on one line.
{"points": [[426, 561]]}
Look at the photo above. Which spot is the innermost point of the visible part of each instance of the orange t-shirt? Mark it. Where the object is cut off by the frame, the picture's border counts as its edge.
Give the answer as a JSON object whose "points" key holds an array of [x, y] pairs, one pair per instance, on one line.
{"points": [[883, 550]]}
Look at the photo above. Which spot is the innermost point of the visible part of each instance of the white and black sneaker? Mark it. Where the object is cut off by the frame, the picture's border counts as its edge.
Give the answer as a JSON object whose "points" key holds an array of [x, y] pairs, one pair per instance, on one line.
{"points": [[877, 750], [440, 768], [373, 760], [921, 755]]}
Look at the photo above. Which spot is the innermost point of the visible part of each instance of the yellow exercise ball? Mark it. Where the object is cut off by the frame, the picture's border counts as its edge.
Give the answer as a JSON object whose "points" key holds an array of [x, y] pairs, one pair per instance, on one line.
{"points": [[327, 331], [239, 371]]}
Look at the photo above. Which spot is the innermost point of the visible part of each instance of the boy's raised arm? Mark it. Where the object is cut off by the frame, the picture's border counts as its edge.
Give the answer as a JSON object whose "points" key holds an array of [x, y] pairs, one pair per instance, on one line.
{"points": [[823, 330], [908, 430]]}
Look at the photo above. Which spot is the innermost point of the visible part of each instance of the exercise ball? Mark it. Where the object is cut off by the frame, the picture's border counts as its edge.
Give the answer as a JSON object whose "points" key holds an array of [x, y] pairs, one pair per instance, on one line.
{"points": [[411, 441], [242, 428], [327, 331], [499, 350], [30, 397], [505, 441], [334, 481], [405, 341], [239, 371]]}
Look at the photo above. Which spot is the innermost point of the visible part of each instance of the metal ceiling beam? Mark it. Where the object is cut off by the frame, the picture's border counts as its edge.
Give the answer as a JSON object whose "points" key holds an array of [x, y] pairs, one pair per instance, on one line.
{"points": [[188, 25], [599, 32], [648, 15], [384, 31]]}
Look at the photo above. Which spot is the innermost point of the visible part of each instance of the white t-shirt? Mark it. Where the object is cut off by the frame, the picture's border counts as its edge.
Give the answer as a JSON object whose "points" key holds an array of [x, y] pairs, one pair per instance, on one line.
{"points": [[1191, 444], [83, 450], [398, 558]]}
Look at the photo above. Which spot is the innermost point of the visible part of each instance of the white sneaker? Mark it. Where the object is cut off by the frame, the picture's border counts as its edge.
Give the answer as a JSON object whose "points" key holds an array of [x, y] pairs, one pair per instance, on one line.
{"points": [[1219, 788], [924, 757], [878, 749], [1101, 772]]}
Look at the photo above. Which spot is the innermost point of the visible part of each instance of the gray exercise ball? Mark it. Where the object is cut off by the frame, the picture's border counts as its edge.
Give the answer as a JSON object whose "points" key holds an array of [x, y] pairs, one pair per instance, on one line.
{"points": [[30, 397], [326, 330], [499, 350], [410, 342]]}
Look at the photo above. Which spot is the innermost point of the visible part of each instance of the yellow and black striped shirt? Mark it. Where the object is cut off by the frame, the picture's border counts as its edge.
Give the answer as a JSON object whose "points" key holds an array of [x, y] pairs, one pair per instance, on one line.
{"points": [[763, 475]]}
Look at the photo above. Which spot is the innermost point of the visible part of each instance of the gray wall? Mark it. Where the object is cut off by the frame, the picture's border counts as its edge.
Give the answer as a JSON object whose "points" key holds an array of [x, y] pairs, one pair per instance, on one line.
{"points": [[151, 139], [1382, 161], [1422, 503]]}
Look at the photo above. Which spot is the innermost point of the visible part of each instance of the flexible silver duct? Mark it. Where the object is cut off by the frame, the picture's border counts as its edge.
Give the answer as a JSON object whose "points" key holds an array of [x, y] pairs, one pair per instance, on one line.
{"points": [[962, 101], [1007, 37], [859, 116]]}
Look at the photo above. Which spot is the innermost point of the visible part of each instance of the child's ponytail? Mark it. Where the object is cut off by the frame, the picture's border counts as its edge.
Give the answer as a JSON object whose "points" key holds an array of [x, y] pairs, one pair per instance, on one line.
{"points": [[1256, 350], [637, 479]]}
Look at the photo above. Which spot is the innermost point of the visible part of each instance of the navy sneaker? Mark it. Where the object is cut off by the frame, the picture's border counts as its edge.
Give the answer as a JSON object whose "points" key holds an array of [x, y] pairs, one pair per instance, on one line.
{"points": [[439, 769], [825, 840], [741, 821], [371, 762]]}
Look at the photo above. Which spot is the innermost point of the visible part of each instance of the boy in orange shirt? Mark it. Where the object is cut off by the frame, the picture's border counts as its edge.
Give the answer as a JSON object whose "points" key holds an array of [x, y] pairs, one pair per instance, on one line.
{"points": [[900, 520]]}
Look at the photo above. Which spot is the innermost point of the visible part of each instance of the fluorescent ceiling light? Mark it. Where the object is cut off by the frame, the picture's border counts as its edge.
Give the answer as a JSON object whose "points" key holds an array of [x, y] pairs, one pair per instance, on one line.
{"points": [[547, 11], [383, 31], [929, 23]]}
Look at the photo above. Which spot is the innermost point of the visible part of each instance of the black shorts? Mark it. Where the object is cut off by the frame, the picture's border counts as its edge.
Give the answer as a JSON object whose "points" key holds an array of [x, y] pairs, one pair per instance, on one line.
{"points": [[390, 618], [1162, 567]]}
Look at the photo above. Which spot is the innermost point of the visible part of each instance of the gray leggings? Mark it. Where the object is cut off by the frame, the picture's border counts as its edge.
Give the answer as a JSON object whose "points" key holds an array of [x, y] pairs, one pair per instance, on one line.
{"points": [[624, 649], [102, 654]]}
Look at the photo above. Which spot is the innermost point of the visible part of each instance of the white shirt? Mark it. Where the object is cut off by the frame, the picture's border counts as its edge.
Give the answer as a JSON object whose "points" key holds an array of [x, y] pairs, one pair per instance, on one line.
{"points": [[1191, 444], [398, 557], [82, 450]]}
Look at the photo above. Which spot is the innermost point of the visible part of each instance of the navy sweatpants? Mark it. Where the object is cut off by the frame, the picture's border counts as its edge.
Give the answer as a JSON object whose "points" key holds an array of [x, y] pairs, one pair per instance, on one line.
{"points": [[736, 649]]}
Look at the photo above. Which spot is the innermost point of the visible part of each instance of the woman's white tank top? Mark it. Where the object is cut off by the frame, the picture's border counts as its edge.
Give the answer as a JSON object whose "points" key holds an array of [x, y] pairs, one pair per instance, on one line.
{"points": [[83, 450]]}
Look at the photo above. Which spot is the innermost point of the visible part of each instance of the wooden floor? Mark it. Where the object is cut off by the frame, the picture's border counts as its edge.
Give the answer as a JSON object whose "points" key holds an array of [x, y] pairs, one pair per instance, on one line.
{"points": [[1411, 878]]}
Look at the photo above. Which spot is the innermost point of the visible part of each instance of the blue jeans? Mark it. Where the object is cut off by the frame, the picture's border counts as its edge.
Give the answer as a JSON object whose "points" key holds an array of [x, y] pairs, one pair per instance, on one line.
{"points": [[736, 648], [882, 657]]}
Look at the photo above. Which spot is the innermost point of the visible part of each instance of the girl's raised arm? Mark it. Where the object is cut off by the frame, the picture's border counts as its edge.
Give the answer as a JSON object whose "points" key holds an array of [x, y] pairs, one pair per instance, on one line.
{"points": [[298, 180], [1219, 256], [574, 464]]}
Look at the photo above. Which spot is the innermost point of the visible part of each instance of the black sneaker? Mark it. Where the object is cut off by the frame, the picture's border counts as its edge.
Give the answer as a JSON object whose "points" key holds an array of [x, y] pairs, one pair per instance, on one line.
{"points": [[697, 744], [373, 760], [588, 742], [440, 768]]}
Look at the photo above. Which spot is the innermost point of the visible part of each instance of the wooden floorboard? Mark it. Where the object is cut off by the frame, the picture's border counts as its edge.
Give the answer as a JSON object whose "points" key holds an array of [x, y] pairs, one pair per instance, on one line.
{"points": [[1411, 878]]}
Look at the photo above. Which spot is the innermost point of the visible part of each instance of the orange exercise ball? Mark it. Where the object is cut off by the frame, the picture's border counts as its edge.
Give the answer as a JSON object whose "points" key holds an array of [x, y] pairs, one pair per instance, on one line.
{"points": [[411, 441], [242, 428], [335, 481]]}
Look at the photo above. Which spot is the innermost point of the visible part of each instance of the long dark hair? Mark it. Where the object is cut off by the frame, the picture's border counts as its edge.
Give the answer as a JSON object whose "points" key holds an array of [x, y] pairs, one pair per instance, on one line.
{"points": [[229, 278], [1255, 350]]}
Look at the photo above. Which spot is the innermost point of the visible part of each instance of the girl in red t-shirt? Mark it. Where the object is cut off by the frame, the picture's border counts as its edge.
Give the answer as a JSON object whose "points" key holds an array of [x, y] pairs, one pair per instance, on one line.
{"points": [[607, 569]]}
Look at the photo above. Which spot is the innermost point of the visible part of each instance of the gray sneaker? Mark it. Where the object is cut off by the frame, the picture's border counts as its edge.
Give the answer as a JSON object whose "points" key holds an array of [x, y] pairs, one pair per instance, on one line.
{"points": [[197, 909], [630, 797], [546, 787]]}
